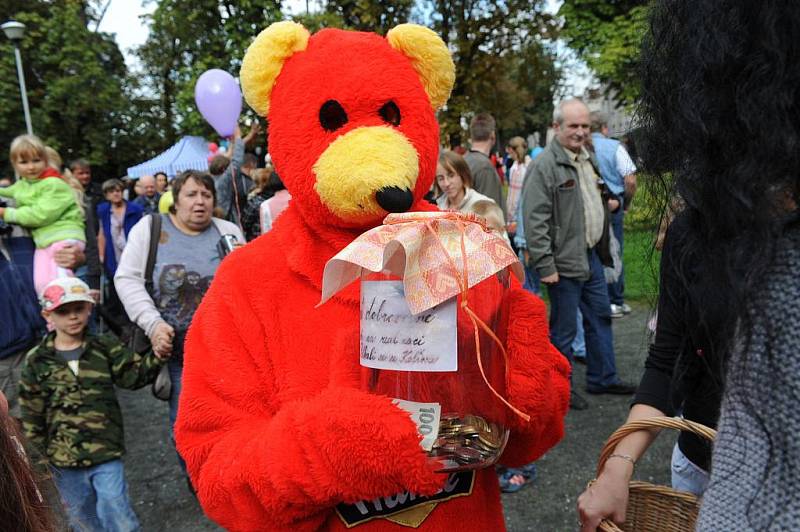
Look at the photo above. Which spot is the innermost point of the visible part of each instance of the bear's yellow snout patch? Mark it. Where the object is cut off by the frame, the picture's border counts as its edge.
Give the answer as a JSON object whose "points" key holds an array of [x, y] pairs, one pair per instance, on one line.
{"points": [[358, 164]]}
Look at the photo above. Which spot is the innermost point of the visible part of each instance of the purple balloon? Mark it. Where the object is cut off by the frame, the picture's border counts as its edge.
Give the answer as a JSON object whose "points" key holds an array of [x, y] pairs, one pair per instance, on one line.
{"points": [[219, 100]]}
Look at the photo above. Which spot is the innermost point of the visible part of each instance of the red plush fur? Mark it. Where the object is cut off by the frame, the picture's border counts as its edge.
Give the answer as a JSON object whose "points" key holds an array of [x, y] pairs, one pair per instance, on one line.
{"points": [[272, 425], [362, 72]]}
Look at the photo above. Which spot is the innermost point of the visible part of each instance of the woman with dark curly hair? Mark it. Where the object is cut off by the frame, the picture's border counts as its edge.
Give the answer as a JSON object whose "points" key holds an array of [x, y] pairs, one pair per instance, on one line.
{"points": [[721, 103], [22, 507]]}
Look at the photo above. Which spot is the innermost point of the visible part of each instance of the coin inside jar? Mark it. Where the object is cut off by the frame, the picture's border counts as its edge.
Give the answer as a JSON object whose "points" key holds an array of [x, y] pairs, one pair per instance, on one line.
{"points": [[467, 441], [468, 454]]}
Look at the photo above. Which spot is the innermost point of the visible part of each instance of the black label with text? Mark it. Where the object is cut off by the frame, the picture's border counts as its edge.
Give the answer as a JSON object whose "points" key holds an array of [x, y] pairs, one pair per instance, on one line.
{"points": [[458, 485]]}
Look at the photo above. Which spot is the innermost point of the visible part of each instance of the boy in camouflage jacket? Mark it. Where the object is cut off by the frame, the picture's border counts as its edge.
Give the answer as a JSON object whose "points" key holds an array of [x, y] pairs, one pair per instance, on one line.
{"points": [[70, 411]]}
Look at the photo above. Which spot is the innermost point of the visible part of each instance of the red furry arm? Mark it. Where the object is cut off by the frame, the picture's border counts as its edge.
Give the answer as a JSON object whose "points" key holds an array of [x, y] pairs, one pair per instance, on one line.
{"points": [[538, 382], [261, 464]]}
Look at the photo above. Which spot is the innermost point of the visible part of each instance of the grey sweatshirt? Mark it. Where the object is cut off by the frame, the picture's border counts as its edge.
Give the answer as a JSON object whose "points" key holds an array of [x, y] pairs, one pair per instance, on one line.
{"points": [[755, 468]]}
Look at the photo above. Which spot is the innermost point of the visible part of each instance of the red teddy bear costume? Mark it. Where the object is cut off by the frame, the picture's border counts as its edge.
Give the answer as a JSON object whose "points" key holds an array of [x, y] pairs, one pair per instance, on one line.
{"points": [[273, 427]]}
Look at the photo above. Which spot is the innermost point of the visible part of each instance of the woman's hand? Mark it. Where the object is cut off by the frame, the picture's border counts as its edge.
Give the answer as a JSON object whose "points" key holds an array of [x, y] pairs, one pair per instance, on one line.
{"points": [[70, 257], [607, 497], [161, 339]]}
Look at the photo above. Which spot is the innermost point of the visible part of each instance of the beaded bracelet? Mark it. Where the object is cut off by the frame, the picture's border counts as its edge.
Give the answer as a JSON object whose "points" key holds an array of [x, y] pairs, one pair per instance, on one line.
{"points": [[624, 457]]}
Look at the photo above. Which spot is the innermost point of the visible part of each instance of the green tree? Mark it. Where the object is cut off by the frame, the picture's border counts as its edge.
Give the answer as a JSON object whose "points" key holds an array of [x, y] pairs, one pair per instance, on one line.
{"points": [[188, 38], [607, 35], [378, 16], [502, 64], [75, 80]]}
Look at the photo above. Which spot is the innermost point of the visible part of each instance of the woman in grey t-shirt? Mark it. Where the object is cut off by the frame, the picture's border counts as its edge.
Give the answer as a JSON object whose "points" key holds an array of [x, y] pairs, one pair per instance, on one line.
{"points": [[186, 261]]}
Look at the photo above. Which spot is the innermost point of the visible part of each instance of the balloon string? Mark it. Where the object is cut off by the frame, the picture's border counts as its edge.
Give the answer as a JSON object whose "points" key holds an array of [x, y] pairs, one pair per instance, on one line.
{"points": [[463, 281]]}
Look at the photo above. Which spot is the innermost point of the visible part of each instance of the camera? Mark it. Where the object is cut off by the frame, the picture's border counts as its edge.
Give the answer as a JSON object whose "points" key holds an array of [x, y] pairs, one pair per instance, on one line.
{"points": [[226, 244]]}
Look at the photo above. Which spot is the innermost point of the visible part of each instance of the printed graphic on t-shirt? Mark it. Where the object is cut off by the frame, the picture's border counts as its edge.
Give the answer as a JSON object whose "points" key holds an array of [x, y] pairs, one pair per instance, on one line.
{"points": [[179, 294]]}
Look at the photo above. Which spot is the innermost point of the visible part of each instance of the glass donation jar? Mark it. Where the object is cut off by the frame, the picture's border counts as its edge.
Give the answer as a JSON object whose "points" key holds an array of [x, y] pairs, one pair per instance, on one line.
{"points": [[434, 314]]}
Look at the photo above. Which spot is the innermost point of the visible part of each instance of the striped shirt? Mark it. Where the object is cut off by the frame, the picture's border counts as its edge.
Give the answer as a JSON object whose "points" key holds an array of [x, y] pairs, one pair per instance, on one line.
{"points": [[593, 211]]}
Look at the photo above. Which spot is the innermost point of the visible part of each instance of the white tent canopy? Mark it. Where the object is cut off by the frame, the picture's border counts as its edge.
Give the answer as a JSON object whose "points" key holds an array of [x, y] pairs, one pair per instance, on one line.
{"points": [[189, 153]]}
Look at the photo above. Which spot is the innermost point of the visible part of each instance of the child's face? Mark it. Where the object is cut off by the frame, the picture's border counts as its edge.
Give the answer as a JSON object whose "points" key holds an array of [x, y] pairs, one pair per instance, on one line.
{"points": [[29, 164], [70, 318]]}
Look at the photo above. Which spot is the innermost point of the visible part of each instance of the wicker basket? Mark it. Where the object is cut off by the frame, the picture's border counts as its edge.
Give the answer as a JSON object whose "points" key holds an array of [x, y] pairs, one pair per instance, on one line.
{"points": [[652, 507]]}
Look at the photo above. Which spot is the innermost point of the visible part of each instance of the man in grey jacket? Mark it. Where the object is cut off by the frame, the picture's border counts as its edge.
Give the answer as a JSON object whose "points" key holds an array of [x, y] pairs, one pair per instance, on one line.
{"points": [[566, 230], [482, 138]]}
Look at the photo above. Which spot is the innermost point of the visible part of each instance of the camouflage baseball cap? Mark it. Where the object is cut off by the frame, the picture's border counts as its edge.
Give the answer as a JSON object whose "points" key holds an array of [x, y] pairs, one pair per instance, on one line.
{"points": [[64, 290]]}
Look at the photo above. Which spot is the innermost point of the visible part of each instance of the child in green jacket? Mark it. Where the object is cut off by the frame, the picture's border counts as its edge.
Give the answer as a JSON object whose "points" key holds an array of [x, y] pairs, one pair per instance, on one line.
{"points": [[46, 204]]}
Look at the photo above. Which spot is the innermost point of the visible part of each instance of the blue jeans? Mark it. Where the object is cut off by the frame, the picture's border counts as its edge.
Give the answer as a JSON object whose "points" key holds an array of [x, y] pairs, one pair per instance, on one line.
{"points": [[532, 278], [591, 297], [616, 290], [579, 344], [96, 498], [176, 378], [686, 476]]}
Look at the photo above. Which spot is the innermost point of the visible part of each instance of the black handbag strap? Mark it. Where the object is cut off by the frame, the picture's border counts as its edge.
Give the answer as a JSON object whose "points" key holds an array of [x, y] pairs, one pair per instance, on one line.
{"points": [[155, 237]]}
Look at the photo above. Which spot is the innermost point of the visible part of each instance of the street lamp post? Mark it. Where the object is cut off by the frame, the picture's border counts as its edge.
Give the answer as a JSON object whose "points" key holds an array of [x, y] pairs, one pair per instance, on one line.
{"points": [[14, 31]]}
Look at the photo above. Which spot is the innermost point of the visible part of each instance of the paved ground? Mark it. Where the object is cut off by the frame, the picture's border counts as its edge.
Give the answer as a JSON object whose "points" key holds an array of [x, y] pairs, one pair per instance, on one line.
{"points": [[163, 503]]}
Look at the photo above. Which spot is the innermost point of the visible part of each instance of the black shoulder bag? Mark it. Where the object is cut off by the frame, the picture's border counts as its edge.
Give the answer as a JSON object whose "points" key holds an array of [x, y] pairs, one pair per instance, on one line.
{"points": [[140, 343]]}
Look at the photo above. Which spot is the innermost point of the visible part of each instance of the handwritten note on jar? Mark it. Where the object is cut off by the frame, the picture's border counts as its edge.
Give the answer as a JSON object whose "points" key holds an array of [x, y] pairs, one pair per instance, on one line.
{"points": [[393, 338]]}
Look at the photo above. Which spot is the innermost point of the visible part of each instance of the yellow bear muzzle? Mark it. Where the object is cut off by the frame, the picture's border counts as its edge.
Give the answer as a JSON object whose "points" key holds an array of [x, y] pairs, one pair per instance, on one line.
{"points": [[359, 164]]}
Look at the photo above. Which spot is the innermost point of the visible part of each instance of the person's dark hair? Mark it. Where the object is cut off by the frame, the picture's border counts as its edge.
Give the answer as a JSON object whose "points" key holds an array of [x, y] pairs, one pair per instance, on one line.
{"points": [[22, 506], [79, 163], [218, 165], [249, 161], [275, 183], [721, 113], [202, 178], [481, 127], [453, 160], [161, 173]]}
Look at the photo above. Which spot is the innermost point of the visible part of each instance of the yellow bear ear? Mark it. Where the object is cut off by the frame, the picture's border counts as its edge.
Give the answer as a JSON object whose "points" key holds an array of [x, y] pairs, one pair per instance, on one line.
{"points": [[265, 58], [430, 58]]}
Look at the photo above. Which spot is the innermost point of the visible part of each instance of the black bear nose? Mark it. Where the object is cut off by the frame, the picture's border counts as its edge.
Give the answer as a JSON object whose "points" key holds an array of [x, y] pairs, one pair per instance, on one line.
{"points": [[394, 199]]}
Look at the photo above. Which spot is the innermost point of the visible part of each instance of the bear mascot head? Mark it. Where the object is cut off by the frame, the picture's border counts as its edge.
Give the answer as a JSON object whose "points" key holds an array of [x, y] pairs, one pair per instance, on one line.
{"points": [[352, 125], [274, 428]]}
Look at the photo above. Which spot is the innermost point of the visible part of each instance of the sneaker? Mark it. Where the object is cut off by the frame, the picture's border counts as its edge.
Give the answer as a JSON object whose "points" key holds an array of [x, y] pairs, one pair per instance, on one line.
{"points": [[626, 309], [619, 388], [616, 311], [576, 402]]}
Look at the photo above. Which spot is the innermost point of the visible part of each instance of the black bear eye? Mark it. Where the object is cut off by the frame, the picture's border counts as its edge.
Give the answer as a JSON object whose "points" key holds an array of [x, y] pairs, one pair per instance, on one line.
{"points": [[332, 115], [390, 113]]}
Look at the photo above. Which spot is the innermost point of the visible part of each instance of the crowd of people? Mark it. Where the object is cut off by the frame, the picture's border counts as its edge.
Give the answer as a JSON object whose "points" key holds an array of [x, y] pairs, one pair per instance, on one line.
{"points": [[125, 258], [80, 256]]}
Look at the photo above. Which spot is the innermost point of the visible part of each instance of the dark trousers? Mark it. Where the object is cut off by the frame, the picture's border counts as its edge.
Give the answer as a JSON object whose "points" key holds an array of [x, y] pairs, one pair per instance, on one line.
{"points": [[591, 297], [616, 290], [113, 312]]}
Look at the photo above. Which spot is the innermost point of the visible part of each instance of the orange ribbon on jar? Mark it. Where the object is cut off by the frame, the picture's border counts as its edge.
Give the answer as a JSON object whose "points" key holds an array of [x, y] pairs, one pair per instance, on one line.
{"points": [[476, 321]]}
